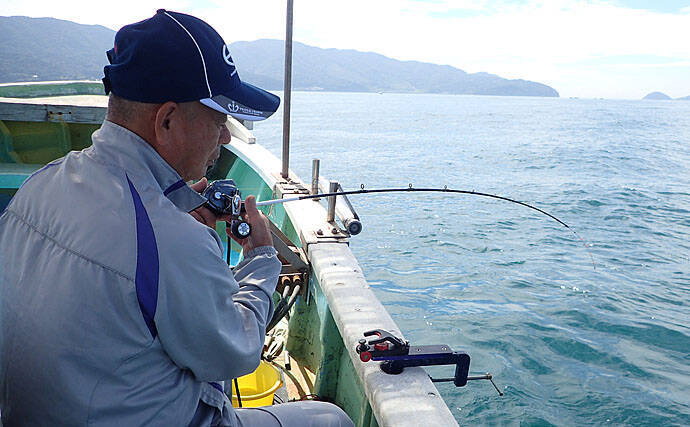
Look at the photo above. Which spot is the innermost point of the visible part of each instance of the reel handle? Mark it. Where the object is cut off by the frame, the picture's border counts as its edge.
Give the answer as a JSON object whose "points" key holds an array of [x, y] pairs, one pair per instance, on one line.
{"points": [[240, 228]]}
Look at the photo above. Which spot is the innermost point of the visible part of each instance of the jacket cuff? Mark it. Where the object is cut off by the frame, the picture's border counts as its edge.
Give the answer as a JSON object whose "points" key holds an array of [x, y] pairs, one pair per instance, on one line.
{"points": [[261, 250]]}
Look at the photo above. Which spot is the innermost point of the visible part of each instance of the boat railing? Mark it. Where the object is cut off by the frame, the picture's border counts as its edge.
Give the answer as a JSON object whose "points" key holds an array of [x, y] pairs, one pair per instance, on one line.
{"points": [[50, 89]]}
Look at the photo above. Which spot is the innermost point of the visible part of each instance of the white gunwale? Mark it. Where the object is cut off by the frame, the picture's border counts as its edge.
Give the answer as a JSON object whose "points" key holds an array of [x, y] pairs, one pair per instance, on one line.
{"points": [[407, 399]]}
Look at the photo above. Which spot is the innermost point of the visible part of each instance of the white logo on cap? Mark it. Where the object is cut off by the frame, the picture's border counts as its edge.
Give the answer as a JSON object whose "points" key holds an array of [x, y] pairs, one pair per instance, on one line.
{"points": [[227, 58], [238, 108]]}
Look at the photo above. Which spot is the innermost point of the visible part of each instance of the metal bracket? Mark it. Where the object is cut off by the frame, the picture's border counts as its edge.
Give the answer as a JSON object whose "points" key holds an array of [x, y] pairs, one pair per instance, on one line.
{"points": [[397, 354], [329, 233], [59, 116], [295, 267], [286, 186]]}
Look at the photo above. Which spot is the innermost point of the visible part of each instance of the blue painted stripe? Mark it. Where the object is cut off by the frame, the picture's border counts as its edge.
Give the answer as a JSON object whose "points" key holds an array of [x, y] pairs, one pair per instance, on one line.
{"points": [[175, 186], [217, 386], [146, 278]]}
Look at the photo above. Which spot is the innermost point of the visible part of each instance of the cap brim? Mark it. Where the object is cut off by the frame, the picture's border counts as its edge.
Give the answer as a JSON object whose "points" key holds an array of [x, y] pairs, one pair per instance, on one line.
{"points": [[245, 102]]}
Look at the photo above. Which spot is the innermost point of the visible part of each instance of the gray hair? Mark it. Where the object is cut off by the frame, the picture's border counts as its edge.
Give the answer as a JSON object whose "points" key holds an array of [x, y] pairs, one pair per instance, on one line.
{"points": [[124, 111]]}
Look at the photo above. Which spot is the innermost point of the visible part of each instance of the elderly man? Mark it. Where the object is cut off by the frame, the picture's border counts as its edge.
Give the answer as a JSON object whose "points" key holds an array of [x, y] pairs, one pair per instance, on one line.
{"points": [[116, 305]]}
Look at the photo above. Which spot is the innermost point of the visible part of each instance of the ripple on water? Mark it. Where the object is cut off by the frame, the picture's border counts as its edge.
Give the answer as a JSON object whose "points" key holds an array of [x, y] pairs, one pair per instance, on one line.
{"points": [[570, 345]]}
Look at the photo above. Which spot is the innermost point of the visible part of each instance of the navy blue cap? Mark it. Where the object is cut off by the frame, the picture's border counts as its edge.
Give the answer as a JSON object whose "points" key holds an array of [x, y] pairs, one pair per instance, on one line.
{"points": [[180, 58]]}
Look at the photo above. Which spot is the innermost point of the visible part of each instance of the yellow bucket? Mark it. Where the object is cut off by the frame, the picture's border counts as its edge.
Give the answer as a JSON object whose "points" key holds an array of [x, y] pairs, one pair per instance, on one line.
{"points": [[257, 388]]}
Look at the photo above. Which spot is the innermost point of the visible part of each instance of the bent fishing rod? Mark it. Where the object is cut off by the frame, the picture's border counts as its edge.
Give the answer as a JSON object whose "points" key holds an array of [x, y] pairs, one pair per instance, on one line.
{"points": [[228, 201]]}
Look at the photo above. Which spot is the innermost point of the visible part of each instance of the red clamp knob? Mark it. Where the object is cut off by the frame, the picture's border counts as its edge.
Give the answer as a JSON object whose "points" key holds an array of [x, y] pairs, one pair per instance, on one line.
{"points": [[382, 346]]}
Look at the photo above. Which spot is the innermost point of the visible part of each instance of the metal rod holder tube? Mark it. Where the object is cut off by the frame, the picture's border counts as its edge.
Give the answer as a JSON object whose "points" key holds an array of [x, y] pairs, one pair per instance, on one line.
{"points": [[343, 210], [330, 216], [287, 91], [315, 176]]}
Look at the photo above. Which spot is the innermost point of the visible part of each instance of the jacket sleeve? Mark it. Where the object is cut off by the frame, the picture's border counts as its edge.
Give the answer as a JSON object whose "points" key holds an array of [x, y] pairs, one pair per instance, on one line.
{"points": [[206, 321]]}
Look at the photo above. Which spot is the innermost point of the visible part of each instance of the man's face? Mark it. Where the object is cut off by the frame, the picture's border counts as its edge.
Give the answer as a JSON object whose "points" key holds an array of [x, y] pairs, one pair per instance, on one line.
{"points": [[198, 139]]}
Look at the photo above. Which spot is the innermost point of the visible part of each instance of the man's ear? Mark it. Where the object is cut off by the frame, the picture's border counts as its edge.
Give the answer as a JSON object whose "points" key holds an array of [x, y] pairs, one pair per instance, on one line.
{"points": [[165, 116]]}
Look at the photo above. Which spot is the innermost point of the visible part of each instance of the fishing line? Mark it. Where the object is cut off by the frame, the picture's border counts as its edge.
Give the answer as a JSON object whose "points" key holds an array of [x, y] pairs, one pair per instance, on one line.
{"points": [[410, 188]]}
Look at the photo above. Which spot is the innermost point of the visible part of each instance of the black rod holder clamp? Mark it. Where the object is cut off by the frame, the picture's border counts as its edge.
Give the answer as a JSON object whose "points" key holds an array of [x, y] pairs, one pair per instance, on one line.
{"points": [[397, 354]]}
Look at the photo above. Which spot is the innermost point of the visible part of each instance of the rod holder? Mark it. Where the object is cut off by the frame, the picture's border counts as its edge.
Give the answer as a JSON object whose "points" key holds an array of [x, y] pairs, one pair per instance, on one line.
{"points": [[343, 210], [315, 176], [330, 216]]}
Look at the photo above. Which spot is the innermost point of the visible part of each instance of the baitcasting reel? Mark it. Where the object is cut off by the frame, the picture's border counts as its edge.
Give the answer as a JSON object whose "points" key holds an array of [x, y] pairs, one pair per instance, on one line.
{"points": [[223, 198]]}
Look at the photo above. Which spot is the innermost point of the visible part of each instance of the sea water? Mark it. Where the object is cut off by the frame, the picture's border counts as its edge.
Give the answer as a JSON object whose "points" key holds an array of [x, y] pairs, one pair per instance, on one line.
{"points": [[571, 340]]}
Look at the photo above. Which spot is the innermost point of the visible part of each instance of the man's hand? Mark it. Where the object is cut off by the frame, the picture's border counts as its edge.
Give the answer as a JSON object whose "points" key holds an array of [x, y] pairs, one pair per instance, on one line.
{"points": [[261, 234], [202, 213]]}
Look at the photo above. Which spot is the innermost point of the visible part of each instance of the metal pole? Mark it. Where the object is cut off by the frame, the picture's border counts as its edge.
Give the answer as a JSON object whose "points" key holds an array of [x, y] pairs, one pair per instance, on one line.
{"points": [[287, 91], [330, 215], [315, 176]]}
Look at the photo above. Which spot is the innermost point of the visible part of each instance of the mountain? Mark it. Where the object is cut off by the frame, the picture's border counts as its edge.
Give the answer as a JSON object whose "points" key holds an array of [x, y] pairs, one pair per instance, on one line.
{"points": [[261, 62], [53, 49], [685, 98], [657, 96]]}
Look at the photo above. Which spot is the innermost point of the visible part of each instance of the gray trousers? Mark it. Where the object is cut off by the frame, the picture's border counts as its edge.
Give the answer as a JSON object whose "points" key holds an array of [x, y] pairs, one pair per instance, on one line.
{"points": [[294, 414]]}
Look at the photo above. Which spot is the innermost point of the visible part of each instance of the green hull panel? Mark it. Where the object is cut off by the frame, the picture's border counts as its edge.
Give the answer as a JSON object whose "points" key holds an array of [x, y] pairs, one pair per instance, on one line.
{"points": [[27, 146]]}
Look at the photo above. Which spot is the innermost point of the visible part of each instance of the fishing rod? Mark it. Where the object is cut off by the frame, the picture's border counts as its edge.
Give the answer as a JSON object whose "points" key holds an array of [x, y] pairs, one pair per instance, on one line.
{"points": [[236, 205], [406, 190]]}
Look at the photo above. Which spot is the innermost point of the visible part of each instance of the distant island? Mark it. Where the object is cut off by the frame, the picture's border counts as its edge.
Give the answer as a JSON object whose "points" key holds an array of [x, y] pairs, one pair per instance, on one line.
{"points": [[663, 97], [40, 49], [657, 96]]}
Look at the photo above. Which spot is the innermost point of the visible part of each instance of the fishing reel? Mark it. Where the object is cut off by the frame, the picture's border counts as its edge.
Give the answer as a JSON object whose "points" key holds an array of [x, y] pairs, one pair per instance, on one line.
{"points": [[223, 198]]}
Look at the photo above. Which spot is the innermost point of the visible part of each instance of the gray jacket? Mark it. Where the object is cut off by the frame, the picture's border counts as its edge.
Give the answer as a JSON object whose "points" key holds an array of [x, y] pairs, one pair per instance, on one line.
{"points": [[116, 306]]}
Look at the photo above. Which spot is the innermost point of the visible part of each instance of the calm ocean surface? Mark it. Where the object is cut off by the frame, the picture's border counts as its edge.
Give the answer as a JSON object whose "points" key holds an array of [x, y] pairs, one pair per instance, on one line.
{"points": [[569, 344]]}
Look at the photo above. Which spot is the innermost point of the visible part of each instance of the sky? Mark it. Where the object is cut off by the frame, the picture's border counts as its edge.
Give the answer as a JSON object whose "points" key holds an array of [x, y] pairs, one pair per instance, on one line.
{"points": [[621, 49]]}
